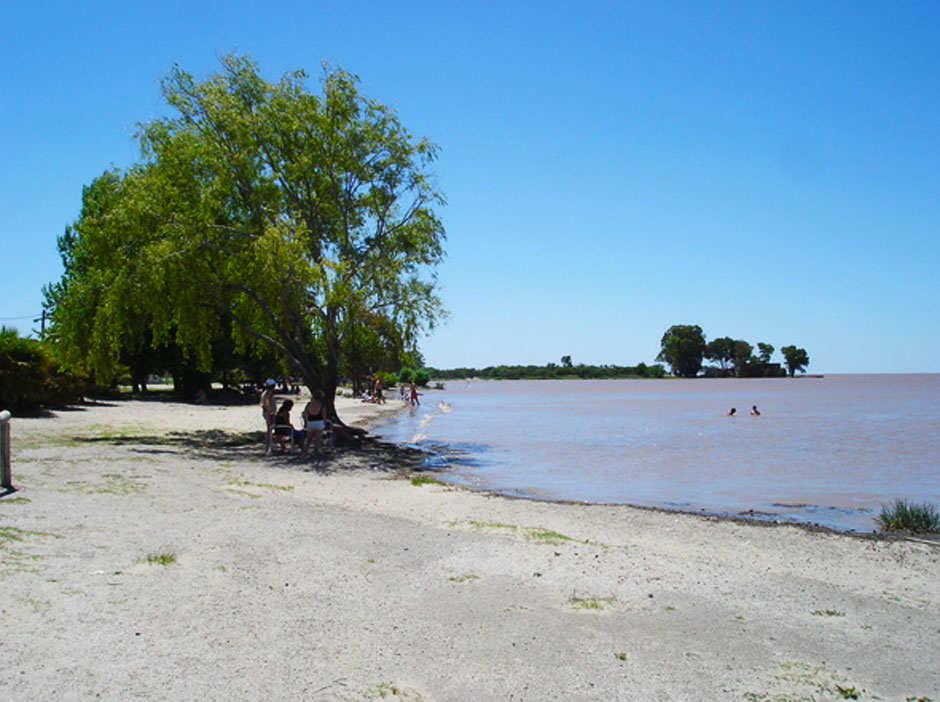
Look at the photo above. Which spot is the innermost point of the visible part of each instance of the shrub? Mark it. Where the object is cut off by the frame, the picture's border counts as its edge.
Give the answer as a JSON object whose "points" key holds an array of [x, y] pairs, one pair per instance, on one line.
{"points": [[389, 380], [406, 375], [30, 378], [422, 377], [904, 516]]}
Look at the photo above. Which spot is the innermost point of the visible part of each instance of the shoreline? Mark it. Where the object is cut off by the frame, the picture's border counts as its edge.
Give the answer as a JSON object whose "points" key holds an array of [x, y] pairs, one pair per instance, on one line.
{"points": [[337, 579]]}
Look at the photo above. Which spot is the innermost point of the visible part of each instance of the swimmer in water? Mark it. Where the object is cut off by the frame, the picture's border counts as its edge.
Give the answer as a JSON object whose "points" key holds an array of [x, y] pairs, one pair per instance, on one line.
{"points": [[731, 412], [754, 411]]}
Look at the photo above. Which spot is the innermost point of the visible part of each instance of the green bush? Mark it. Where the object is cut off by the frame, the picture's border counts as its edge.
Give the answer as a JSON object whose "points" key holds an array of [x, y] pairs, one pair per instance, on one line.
{"points": [[406, 375], [389, 380], [904, 516], [422, 377], [30, 378]]}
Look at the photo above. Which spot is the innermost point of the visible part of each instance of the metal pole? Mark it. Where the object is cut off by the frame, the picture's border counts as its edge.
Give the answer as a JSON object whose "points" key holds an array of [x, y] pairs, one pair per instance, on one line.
{"points": [[6, 473]]}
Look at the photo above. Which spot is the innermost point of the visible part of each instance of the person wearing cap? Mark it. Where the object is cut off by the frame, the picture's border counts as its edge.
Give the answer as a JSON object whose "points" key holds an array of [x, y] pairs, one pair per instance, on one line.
{"points": [[268, 410]]}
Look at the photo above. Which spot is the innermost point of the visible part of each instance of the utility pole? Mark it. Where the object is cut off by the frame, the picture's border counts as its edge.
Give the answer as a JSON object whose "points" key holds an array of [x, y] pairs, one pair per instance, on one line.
{"points": [[42, 331]]}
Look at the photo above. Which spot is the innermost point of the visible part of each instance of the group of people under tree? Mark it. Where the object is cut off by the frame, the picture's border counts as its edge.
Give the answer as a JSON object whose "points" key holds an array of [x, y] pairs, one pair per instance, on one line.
{"points": [[314, 420]]}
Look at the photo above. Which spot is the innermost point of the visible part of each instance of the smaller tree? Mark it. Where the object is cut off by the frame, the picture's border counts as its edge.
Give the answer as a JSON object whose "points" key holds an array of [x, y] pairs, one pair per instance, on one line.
{"points": [[721, 351], [743, 357], [796, 359], [566, 361], [765, 351]]}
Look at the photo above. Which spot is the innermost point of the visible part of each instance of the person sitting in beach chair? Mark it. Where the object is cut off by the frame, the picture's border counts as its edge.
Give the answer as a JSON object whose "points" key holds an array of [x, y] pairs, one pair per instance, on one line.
{"points": [[284, 432]]}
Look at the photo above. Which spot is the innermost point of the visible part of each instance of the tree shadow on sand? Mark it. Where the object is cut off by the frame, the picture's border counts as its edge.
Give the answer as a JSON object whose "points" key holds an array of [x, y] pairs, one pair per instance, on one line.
{"points": [[218, 444]]}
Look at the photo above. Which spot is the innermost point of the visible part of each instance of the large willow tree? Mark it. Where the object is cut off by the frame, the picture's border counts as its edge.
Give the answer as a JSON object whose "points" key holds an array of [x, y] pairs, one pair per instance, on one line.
{"points": [[301, 220]]}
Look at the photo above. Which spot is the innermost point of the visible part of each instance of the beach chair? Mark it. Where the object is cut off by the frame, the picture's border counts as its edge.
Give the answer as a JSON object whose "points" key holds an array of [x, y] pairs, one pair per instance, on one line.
{"points": [[288, 430], [327, 438]]}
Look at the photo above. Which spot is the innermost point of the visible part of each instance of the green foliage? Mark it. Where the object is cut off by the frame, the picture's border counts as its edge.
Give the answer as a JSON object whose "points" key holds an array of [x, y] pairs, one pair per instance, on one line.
{"points": [[795, 358], [406, 375], [422, 377], [914, 518], [419, 480], [290, 221], [389, 380], [30, 377], [683, 347], [765, 351], [161, 558], [721, 351]]}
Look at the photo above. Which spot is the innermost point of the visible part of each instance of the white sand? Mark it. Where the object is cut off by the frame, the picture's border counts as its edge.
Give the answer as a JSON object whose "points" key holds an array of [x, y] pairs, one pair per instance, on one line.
{"points": [[337, 580]]}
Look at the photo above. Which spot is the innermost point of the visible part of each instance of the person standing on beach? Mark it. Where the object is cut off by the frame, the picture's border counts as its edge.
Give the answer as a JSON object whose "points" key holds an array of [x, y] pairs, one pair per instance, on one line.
{"points": [[268, 411], [414, 395], [314, 416], [378, 396]]}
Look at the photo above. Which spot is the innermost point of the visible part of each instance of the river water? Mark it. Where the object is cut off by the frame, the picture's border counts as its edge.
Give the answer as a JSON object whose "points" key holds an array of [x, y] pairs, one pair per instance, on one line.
{"points": [[829, 451]]}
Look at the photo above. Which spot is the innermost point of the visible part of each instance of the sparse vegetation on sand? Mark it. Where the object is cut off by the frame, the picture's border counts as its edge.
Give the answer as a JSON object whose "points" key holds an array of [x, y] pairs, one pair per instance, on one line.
{"points": [[161, 558], [597, 603], [419, 480]]}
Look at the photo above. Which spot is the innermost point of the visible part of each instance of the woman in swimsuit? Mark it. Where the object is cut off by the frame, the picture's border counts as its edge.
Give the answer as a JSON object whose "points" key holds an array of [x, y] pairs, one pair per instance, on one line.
{"points": [[314, 415]]}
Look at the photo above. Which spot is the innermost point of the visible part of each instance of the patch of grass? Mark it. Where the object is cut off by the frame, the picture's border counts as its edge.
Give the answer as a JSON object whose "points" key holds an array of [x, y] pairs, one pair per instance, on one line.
{"points": [[547, 535], [387, 690], [464, 578], [847, 693], [669, 608], [418, 480], [248, 483], [14, 534], [14, 501], [489, 525], [532, 533], [828, 613], [620, 656], [594, 603], [11, 534], [161, 558], [114, 484], [913, 518]]}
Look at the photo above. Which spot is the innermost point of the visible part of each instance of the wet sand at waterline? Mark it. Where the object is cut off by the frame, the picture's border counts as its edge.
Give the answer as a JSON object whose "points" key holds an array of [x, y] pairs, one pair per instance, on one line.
{"points": [[151, 553]]}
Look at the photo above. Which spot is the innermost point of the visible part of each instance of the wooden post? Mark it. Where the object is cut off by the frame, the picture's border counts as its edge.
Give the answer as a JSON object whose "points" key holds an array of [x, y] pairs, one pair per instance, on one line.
{"points": [[6, 473]]}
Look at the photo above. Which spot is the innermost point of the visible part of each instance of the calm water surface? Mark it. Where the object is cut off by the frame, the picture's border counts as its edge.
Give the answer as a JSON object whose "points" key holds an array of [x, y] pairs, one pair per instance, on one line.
{"points": [[827, 450]]}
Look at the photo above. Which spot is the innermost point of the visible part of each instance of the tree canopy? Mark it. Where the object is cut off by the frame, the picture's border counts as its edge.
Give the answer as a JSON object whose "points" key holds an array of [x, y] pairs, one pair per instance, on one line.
{"points": [[296, 222], [796, 359], [683, 347]]}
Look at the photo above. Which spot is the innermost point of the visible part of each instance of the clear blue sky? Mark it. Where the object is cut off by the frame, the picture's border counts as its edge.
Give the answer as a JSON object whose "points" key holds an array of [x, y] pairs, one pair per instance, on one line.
{"points": [[767, 170]]}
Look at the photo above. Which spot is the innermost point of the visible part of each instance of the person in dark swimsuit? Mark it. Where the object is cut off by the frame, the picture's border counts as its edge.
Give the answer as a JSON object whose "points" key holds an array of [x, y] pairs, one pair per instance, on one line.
{"points": [[314, 422]]}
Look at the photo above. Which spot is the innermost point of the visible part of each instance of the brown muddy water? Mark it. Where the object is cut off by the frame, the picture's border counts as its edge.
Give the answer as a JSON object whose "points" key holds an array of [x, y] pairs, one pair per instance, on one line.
{"points": [[829, 451]]}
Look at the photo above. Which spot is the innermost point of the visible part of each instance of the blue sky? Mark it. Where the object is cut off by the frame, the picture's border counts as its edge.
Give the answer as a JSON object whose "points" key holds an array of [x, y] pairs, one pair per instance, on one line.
{"points": [[767, 170]]}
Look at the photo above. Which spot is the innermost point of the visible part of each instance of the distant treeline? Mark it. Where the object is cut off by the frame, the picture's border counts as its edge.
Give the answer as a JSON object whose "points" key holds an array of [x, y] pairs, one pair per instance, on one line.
{"points": [[550, 371]]}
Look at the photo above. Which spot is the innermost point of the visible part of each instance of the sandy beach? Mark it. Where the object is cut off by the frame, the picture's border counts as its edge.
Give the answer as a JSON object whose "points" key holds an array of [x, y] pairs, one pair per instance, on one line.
{"points": [[151, 551]]}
